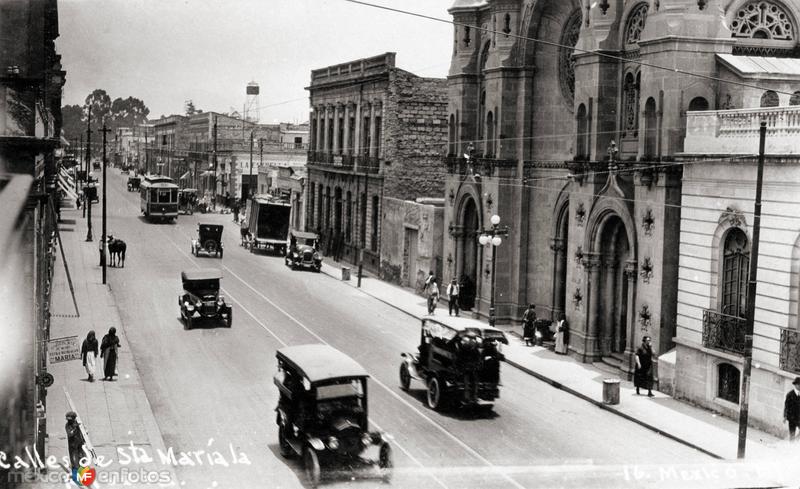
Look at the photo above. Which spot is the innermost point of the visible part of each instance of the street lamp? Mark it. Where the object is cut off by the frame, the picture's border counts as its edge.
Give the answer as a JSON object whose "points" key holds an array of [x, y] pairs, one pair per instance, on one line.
{"points": [[493, 237]]}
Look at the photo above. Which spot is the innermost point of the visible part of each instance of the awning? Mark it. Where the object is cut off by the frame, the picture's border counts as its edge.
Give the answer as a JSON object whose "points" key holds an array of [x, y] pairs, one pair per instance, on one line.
{"points": [[206, 173], [184, 176], [66, 188]]}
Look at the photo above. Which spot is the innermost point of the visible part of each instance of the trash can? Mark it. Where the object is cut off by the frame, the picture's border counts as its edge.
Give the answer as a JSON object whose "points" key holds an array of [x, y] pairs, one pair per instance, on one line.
{"points": [[345, 273], [610, 391]]}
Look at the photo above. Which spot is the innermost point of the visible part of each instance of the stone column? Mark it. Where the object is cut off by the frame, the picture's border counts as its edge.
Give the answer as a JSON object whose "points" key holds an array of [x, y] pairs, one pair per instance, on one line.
{"points": [[592, 265], [630, 319], [559, 280], [611, 326], [336, 111]]}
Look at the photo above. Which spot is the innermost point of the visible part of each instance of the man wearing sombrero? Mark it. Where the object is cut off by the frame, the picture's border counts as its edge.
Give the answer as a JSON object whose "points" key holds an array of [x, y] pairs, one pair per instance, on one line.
{"points": [[791, 409]]}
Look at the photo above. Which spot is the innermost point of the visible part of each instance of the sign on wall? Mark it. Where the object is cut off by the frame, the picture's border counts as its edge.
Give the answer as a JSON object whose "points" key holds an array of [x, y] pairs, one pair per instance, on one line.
{"points": [[63, 349]]}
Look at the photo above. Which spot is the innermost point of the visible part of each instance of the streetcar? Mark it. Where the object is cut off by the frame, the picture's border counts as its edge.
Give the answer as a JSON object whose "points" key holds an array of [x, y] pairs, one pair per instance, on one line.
{"points": [[159, 198]]}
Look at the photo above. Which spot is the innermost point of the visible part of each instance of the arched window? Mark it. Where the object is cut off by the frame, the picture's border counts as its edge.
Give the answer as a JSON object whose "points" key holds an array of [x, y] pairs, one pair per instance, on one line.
{"points": [[795, 99], [631, 109], [635, 24], [310, 215], [348, 230], [451, 148], [375, 221], [762, 20], [566, 63], [650, 128], [698, 103], [735, 265], [770, 99], [489, 134], [728, 382], [582, 148]]}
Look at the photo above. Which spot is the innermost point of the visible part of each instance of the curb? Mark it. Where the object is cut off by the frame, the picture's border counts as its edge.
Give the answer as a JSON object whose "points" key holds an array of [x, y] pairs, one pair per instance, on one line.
{"points": [[559, 385]]}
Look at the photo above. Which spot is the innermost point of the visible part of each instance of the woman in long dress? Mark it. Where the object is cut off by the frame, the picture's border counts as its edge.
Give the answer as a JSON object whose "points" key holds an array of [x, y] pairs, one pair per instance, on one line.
{"points": [[562, 335], [643, 374], [89, 354], [108, 350]]}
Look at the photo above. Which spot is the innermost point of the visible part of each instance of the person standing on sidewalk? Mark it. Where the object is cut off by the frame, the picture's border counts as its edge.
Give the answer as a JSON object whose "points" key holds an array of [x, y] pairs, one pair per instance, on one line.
{"points": [[108, 350], [562, 334], [791, 409], [452, 297], [643, 374], [528, 325], [433, 296], [89, 354], [75, 441]]}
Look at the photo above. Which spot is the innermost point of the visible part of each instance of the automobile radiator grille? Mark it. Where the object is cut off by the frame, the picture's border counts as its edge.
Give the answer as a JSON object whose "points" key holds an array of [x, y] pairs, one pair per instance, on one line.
{"points": [[308, 256]]}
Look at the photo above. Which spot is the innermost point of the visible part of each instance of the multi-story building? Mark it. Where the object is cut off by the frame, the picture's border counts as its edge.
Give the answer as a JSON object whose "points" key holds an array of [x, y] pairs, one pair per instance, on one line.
{"points": [[31, 80], [377, 133]]}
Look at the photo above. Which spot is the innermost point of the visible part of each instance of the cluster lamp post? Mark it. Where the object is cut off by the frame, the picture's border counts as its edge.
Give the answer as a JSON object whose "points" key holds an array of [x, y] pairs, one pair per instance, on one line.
{"points": [[493, 237]]}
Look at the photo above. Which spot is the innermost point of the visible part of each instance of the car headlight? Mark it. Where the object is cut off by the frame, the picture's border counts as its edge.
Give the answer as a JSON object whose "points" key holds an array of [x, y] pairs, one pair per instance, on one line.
{"points": [[316, 256], [198, 305], [333, 443], [295, 255], [189, 307]]}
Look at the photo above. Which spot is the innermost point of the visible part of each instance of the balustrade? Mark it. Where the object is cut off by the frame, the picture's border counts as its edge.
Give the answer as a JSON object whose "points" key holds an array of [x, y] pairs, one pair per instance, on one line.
{"points": [[723, 332]]}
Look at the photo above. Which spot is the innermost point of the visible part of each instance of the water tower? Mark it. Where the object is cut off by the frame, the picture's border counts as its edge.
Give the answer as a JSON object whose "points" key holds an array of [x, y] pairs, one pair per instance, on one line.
{"points": [[251, 104]]}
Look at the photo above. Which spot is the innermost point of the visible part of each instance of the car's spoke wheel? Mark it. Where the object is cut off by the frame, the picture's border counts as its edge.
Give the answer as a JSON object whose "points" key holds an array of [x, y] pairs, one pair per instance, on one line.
{"points": [[188, 323], [229, 321], [405, 376], [434, 394], [385, 462], [311, 462]]}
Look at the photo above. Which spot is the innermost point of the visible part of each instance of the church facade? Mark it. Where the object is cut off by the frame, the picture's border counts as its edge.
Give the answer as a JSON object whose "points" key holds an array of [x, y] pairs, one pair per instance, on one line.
{"points": [[568, 120]]}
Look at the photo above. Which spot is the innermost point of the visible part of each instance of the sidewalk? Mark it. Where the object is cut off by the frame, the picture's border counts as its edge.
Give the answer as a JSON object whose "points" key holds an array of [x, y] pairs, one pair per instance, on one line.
{"points": [[115, 414], [701, 429]]}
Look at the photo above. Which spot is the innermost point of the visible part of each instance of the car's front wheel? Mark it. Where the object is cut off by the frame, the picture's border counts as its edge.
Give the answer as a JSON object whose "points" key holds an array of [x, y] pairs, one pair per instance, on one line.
{"points": [[187, 323], [434, 393], [385, 462], [405, 376], [286, 449], [311, 463], [229, 320]]}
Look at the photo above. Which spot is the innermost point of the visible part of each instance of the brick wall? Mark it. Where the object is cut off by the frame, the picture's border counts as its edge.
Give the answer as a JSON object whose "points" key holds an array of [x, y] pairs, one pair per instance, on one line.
{"points": [[415, 136]]}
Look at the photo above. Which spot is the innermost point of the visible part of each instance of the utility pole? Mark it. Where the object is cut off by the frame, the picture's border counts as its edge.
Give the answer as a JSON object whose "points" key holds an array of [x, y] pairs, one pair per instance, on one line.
{"points": [[214, 154], [260, 160], [104, 242], [88, 200], [146, 153], [751, 298], [250, 178]]}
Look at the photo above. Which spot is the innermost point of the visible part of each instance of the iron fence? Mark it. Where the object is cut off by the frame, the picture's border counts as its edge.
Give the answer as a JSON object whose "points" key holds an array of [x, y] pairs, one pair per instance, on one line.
{"points": [[790, 350], [723, 332]]}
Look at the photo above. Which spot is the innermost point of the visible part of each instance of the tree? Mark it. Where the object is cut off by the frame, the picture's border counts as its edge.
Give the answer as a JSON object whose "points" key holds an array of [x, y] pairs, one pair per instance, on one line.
{"points": [[128, 112], [100, 104], [191, 109], [73, 122]]}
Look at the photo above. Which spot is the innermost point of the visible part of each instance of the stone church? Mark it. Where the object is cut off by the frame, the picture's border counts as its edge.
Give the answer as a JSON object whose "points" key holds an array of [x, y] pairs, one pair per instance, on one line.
{"points": [[567, 119]]}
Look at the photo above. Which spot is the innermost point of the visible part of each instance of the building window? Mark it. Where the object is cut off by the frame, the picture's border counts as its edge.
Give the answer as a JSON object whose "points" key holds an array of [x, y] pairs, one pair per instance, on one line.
{"points": [[377, 137], [735, 264], [340, 136], [635, 25], [363, 229], [583, 132], [329, 125], [795, 99], [348, 230], [770, 99], [298, 142], [728, 382], [762, 20], [566, 63], [651, 129], [375, 221], [631, 109], [313, 133], [698, 103], [489, 135], [451, 147], [351, 135], [366, 142]]}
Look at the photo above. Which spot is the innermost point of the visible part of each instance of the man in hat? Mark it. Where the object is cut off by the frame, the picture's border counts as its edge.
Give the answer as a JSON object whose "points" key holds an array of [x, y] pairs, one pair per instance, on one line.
{"points": [[75, 440], [452, 296], [791, 409]]}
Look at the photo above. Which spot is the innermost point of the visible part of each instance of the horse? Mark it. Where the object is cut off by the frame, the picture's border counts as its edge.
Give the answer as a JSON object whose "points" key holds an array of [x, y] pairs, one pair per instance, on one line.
{"points": [[116, 248]]}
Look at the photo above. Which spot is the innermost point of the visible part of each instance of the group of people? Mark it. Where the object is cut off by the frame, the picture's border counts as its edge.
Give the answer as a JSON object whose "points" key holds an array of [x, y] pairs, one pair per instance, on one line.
{"points": [[453, 291], [107, 350], [532, 336]]}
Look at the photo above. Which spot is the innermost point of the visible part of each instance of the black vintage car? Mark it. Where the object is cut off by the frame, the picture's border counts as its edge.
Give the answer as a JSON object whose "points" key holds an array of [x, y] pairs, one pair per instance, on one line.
{"points": [[201, 299], [458, 361], [133, 184], [322, 413], [209, 240], [303, 251]]}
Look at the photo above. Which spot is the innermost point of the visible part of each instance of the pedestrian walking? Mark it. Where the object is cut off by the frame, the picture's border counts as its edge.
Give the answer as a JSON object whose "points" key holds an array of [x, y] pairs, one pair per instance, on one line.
{"points": [[562, 335], [643, 373], [89, 354], [236, 211], [791, 410], [108, 351], [433, 296], [528, 325], [428, 281], [75, 440], [452, 297]]}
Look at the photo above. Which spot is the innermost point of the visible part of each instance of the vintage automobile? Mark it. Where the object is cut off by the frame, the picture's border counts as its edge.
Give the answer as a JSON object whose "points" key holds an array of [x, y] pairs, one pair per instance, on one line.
{"points": [[303, 251], [201, 299], [322, 413], [133, 184], [458, 361], [209, 240], [187, 200]]}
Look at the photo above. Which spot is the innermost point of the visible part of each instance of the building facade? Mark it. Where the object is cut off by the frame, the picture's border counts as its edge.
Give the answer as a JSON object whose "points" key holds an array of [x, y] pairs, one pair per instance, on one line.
{"points": [[377, 136], [30, 128]]}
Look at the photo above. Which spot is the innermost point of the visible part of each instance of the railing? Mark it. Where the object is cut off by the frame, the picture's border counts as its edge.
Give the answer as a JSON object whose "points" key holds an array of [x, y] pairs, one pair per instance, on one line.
{"points": [[487, 167], [359, 163], [723, 332], [790, 350], [737, 131]]}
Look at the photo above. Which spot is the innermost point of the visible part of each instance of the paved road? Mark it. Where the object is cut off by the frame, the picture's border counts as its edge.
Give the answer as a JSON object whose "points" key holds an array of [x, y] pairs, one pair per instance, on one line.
{"points": [[211, 388]]}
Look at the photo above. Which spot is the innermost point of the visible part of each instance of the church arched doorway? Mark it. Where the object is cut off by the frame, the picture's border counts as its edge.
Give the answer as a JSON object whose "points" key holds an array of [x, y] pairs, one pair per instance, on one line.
{"points": [[467, 253], [614, 294]]}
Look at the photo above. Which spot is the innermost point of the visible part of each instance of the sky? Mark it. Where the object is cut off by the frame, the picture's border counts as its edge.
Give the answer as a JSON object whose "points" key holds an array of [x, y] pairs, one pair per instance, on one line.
{"points": [[166, 52]]}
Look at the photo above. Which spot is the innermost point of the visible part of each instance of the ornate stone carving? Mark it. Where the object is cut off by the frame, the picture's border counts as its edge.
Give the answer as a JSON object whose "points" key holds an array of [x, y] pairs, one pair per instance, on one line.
{"points": [[557, 244], [579, 255], [762, 20], [647, 270], [577, 298], [648, 222], [645, 318], [580, 214], [566, 63], [733, 217], [630, 270]]}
